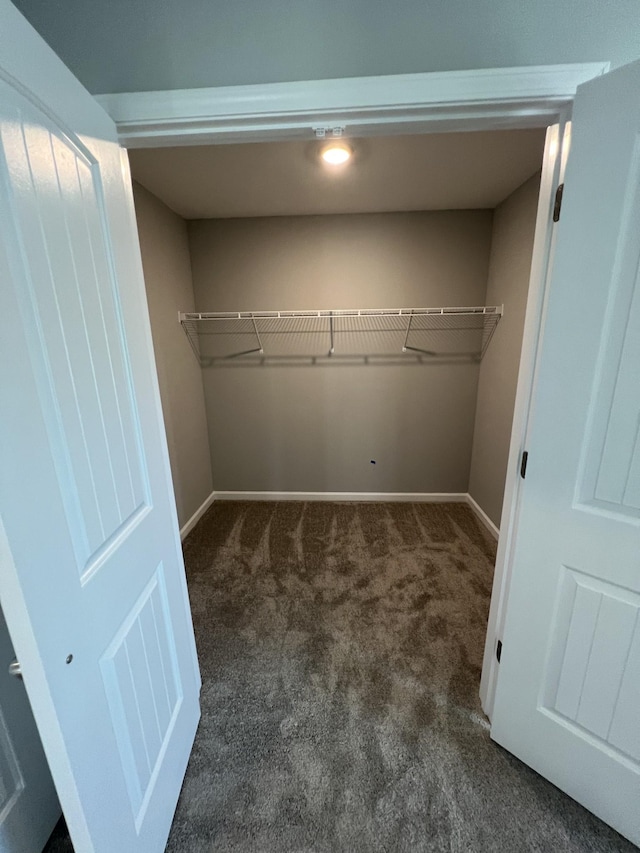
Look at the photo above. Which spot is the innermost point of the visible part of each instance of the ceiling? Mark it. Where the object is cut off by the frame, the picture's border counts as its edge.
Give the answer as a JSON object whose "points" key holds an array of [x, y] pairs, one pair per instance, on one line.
{"points": [[150, 45], [392, 173]]}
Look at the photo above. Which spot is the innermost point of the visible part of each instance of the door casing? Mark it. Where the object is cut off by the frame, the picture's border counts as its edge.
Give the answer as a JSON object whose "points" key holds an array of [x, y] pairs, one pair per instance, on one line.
{"points": [[441, 102]]}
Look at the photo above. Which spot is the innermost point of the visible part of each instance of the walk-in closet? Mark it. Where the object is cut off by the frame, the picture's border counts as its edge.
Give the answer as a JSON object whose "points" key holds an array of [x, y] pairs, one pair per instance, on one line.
{"points": [[347, 331], [320, 457], [337, 351]]}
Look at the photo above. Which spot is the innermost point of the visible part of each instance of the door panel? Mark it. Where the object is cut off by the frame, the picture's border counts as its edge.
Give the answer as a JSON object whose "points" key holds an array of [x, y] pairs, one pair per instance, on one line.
{"points": [[593, 632], [142, 682], [611, 479], [29, 807], [568, 688], [72, 309], [11, 780], [93, 587]]}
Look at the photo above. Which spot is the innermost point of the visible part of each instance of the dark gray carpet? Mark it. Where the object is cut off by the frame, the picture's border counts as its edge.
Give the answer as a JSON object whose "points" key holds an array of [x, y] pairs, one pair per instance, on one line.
{"points": [[340, 647]]}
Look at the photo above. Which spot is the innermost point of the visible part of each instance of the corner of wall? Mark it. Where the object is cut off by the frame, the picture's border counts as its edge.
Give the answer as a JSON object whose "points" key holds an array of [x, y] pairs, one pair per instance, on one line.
{"points": [[508, 284], [168, 278]]}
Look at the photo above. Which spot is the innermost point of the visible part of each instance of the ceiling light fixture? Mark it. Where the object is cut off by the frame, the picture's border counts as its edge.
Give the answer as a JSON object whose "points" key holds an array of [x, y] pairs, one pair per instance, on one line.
{"points": [[336, 154]]}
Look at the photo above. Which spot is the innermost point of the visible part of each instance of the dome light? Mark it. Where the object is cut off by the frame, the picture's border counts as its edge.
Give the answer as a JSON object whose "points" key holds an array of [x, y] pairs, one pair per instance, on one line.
{"points": [[336, 154]]}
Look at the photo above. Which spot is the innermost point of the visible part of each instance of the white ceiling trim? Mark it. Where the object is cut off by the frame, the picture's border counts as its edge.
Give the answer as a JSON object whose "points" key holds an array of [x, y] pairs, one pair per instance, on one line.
{"points": [[486, 99]]}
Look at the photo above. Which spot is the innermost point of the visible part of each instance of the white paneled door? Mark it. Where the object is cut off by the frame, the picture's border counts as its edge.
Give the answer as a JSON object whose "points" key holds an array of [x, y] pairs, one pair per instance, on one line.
{"points": [[568, 693], [91, 578]]}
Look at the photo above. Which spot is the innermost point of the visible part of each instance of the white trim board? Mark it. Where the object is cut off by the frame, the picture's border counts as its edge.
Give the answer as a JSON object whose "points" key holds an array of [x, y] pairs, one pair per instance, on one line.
{"points": [[493, 529], [364, 497], [481, 99], [361, 497], [188, 526], [554, 162]]}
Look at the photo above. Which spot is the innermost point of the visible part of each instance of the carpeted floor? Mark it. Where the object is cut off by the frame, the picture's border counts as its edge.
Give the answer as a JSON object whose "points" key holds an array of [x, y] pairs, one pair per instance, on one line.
{"points": [[340, 647]]}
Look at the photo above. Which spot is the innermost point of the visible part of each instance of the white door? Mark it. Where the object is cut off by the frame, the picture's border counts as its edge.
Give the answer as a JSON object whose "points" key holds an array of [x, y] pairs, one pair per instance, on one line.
{"points": [[92, 581], [29, 807], [568, 693]]}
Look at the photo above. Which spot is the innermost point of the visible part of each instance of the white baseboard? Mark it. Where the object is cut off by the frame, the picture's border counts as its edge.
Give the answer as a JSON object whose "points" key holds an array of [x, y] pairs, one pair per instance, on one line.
{"points": [[483, 517], [197, 515], [365, 497], [378, 497]]}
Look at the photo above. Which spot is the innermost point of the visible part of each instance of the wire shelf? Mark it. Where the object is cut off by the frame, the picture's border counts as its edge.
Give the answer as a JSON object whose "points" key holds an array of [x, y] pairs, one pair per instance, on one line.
{"points": [[463, 332]]}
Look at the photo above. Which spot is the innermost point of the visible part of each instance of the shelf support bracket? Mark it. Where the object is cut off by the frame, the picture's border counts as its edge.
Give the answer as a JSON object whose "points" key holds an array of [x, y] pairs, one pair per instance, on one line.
{"points": [[255, 329], [405, 346], [331, 345]]}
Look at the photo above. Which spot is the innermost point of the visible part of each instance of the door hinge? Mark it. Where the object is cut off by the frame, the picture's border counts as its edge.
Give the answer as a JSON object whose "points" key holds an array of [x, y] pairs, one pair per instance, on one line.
{"points": [[523, 464], [499, 650], [558, 203], [15, 668]]}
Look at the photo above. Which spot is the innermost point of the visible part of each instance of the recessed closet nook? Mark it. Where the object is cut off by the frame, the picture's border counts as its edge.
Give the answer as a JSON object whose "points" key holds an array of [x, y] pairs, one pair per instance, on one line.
{"points": [[306, 364]]}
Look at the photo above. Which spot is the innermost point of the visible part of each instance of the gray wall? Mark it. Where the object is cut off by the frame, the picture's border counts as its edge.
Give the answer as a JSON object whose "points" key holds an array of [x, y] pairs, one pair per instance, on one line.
{"points": [[120, 46], [317, 428], [167, 272], [509, 269]]}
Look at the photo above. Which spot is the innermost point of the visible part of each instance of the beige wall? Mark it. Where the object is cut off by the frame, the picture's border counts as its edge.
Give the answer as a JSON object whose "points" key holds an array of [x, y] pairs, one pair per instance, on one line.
{"points": [[317, 428], [509, 268], [167, 272]]}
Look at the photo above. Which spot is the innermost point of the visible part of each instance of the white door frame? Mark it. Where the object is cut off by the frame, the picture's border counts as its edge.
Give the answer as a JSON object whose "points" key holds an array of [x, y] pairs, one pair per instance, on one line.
{"points": [[486, 99], [489, 99], [553, 167]]}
